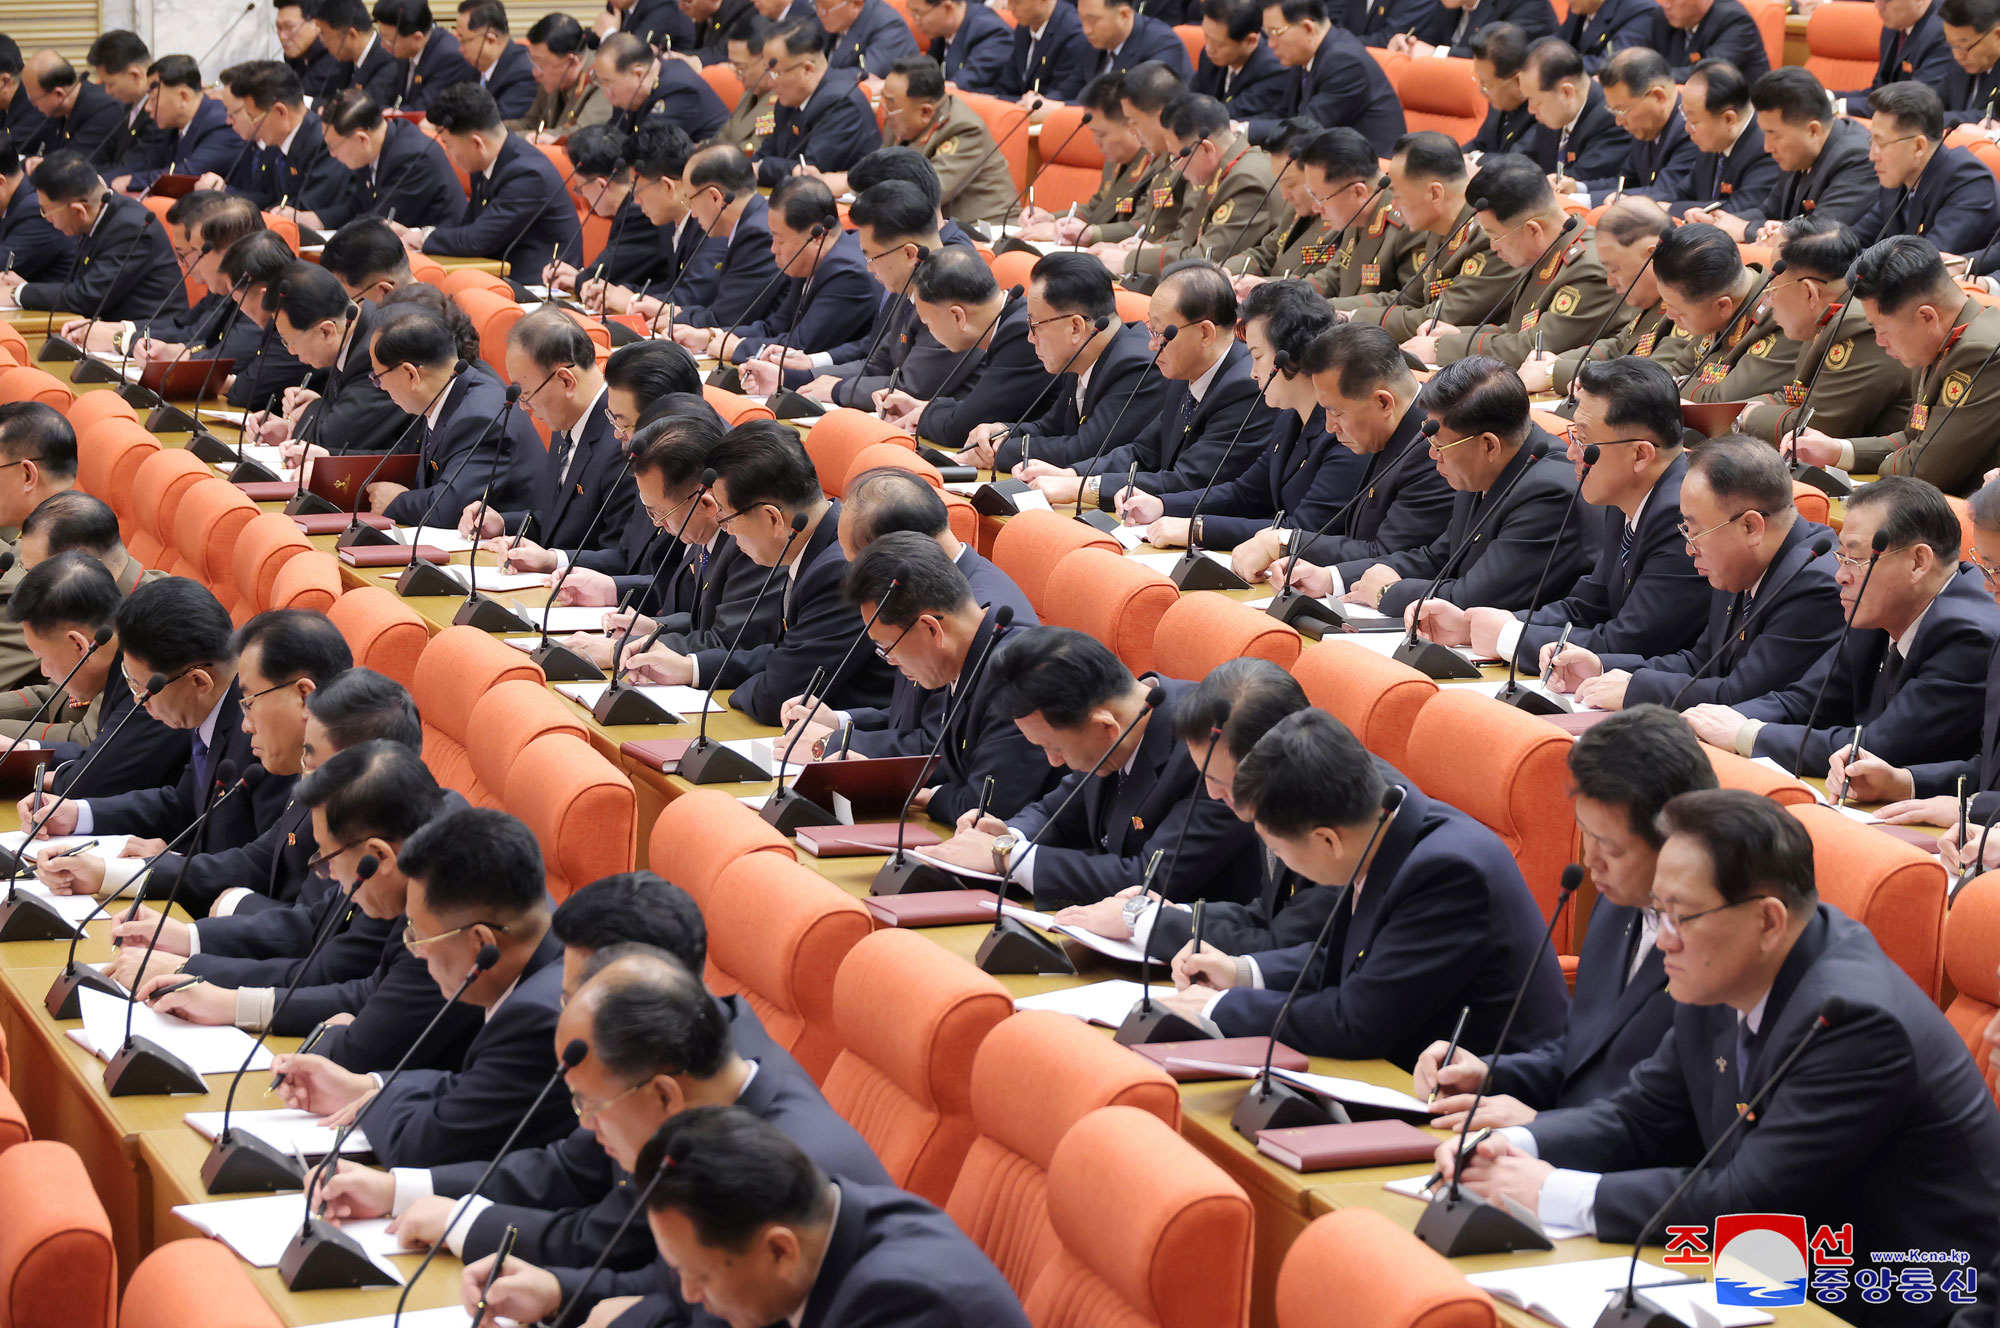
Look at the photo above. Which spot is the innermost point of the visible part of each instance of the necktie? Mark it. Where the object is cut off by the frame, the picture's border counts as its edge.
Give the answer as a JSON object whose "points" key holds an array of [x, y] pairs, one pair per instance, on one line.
{"points": [[200, 767], [1745, 1043], [1625, 537]]}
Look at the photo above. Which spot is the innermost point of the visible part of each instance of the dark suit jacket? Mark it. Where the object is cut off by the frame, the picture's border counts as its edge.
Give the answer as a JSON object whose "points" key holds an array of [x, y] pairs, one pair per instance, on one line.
{"points": [[320, 75], [1789, 632], [1057, 66], [1263, 86], [1884, 1120], [1403, 503], [1149, 39], [707, 600], [976, 56], [898, 346], [1839, 184], [438, 66], [644, 257], [306, 177], [1303, 471], [273, 864], [1186, 443], [1914, 707], [93, 121], [506, 460], [566, 510], [395, 1002], [131, 751], [1100, 844], [1613, 1024], [829, 305], [1507, 535], [1454, 27], [352, 414], [816, 629], [1443, 921], [1650, 602], [895, 1259], [512, 81], [1345, 86], [998, 383], [412, 176], [519, 211], [1598, 148], [1967, 97], [659, 23], [369, 73], [22, 123], [427, 1117], [876, 39], [28, 244], [1922, 56], [1982, 770], [833, 130], [1742, 178], [1726, 32], [264, 368], [1616, 25], [683, 97], [1505, 131], [205, 143], [1954, 205], [133, 142], [737, 285], [1068, 437], [125, 264], [1661, 169]]}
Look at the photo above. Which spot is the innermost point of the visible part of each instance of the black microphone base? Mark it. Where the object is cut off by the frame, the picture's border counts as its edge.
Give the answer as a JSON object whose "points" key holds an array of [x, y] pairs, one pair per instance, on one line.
{"points": [[790, 405], [1103, 521], [904, 875], [487, 615], [1154, 1022], [172, 419], [247, 471], [138, 396], [1826, 483], [1435, 661], [1641, 1313], [561, 664], [305, 503], [144, 1068], [204, 444], [1197, 571], [422, 578], [1464, 1224], [93, 370], [1305, 613], [1523, 697], [59, 349], [707, 761], [1014, 947], [785, 811], [325, 1258], [62, 1001], [360, 536], [997, 498], [726, 378], [622, 703], [32, 918], [1272, 1105], [241, 1163]]}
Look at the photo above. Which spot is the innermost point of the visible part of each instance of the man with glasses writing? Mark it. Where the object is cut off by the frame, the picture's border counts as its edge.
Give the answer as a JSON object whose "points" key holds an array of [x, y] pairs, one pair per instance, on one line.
{"points": [[1774, 608], [1944, 194], [1970, 86], [819, 107]]}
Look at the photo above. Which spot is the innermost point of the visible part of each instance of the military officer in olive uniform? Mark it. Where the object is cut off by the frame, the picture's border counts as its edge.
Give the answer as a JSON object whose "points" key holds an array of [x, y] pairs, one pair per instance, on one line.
{"points": [[1627, 233], [1228, 189], [1748, 360], [1712, 294], [973, 182], [1126, 162], [756, 113]]}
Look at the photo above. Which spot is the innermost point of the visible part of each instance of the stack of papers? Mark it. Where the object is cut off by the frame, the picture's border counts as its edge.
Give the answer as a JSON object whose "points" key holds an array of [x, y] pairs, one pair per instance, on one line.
{"points": [[72, 909], [1356, 1091], [1571, 1295], [679, 700], [259, 1230], [1164, 563], [286, 1130], [271, 458], [208, 1050], [1105, 1003], [562, 618], [438, 537], [95, 846], [445, 1316]]}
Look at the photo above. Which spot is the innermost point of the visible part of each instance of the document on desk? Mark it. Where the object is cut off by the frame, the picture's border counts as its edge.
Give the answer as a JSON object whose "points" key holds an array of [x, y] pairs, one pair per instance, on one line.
{"points": [[1105, 1003], [72, 909], [271, 458], [563, 618], [446, 538], [1572, 1295], [1355, 1091], [259, 1229], [445, 1316], [490, 579], [1089, 940], [1415, 1188], [285, 1129], [680, 700], [95, 846], [209, 1050]]}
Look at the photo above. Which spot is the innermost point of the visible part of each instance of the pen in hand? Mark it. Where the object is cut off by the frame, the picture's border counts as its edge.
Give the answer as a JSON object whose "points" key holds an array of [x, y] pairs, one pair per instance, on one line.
{"points": [[1457, 1032], [178, 986], [1853, 751], [500, 1257], [1562, 644], [986, 799], [305, 1047]]}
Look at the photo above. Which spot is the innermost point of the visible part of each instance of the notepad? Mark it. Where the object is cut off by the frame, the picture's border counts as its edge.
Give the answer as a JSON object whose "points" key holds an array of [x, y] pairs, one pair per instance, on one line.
{"points": [[208, 1050], [259, 1229], [679, 700], [99, 846], [1105, 1003], [271, 458], [1089, 940], [72, 909], [563, 617], [1570, 1295], [438, 537], [445, 1316], [286, 1130], [1416, 1188], [1164, 563]]}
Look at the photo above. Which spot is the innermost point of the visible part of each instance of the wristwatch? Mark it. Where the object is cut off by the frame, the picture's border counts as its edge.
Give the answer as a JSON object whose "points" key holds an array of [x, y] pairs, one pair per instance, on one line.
{"points": [[1003, 849]]}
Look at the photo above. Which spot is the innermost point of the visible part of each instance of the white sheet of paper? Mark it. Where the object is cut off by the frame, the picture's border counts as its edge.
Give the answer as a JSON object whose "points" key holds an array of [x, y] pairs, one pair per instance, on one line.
{"points": [[1089, 940], [1104, 1003], [760, 751], [1487, 687], [968, 873], [1131, 537], [1570, 1295], [1413, 1186], [565, 617], [680, 700], [73, 909], [259, 1229], [101, 846], [209, 1050], [284, 1129], [490, 580], [438, 537], [1032, 500], [963, 488], [445, 1316], [219, 416]]}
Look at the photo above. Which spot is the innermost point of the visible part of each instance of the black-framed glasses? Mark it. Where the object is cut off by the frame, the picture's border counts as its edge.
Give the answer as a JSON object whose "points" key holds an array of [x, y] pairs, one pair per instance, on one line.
{"points": [[1034, 323], [248, 698], [324, 856], [1574, 438], [139, 688], [722, 522], [22, 462], [883, 652]]}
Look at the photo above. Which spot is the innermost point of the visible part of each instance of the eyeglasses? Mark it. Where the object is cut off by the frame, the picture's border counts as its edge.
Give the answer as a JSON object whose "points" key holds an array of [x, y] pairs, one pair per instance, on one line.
{"points": [[22, 462], [722, 522], [324, 856], [883, 652], [1991, 573], [249, 698], [1669, 923], [1155, 335], [412, 941], [1883, 143], [1439, 449], [660, 521], [1574, 438], [1272, 34], [1856, 564], [1695, 537], [584, 1107], [1034, 323], [139, 688]]}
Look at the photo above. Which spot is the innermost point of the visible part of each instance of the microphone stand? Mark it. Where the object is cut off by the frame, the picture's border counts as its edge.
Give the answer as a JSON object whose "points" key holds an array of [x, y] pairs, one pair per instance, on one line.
{"points": [[1567, 406], [1819, 477], [167, 418], [421, 578], [797, 405], [1102, 520], [1001, 142], [1047, 159], [1817, 550], [1515, 693], [1276, 180], [560, 663], [359, 534], [1195, 571], [138, 395], [1880, 546], [785, 810], [55, 348], [563, 1316], [1722, 337], [1932, 431], [706, 762], [634, 597], [1520, 284], [1307, 614], [998, 497], [725, 375], [302, 501]]}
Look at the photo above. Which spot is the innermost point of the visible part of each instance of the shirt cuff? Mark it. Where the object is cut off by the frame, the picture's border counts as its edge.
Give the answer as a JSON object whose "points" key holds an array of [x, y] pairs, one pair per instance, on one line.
{"points": [[120, 872], [1339, 586], [1248, 974], [694, 670], [459, 1225], [1510, 638], [1522, 1139], [1846, 455], [1142, 930], [85, 822], [562, 561], [253, 1008], [412, 1184], [226, 903], [1746, 736], [1021, 867], [194, 939], [1569, 1199], [821, 360]]}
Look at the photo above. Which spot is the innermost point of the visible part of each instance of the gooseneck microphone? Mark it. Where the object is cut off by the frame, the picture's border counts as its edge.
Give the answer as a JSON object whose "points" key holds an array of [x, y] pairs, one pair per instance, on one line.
{"points": [[1047, 159], [1722, 337], [785, 810], [1878, 547], [1107, 521], [726, 375], [1514, 693], [1817, 550], [356, 532], [1513, 292], [1301, 610], [1194, 571]]}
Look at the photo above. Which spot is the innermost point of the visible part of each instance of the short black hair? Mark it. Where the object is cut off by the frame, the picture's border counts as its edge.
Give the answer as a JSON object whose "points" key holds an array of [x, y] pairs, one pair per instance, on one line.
{"points": [[923, 75], [1640, 759], [1641, 398], [362, 705], [293, 644], [763, 461], [1899, 271], [1295, 315], [407, 17], [598, 152], [379, 789], [1257, 694], [1060, 672], [1744, 473], [897, 211], [1723, 86], [1308, 770], [117, 50], [69, 590], [34, 431], [464, 108], [66, 177], [228, 220], [351, 111], [650, 1015], [1201, 292], [724, 166], [476, 860], [730, 1174], [188, 210], [1240, 19], [421, 297], [1555, 61], [364, 251], [1983, 15], [559, 34], [675, 448], [175, 624], [1511, 187], [1699, 260], [1502, 45], [1103, 96], [415, 337], [307, 294], [1795, 94], [914, 574], [1297, 11], [264, 84], [1193, 116], [1478, 395], [10, 55], [1365, 357], [484, 15], [625, 50], [1151, 85], [680, 406], [1917, 514], [72, 519], [1075, 283], [1430, 155], [1637, 69], [888, 499], [896, 163], [651, 369], [1342, 155], [1754, 846], [1985, 504], [955, 275], [634, 907], [176, 71], [551, 339], [800, 36], [347, 15], [1291, 136], [805, 202], [1816, 246], [258, 259], [658, 150], [1912, 106]]}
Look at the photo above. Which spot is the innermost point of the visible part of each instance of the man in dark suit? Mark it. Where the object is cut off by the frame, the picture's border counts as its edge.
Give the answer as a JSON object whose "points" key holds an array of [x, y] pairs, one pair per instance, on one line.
{"points": [[994, 373], [426, 57], [823, 118], [970, 42], [349, 35], [118, 62], [1944, 194], [1970, 83], [1339, 82], [1824, 159], [775, 511], [1914, 50], [1599, 29], [502, 63], [329, 334], [77, 114], [519, 210], [1513, 488], [658, 23], [455, 406], [828, 295], [1884, 1121], [641, 84], [732, 278], [1190, 440], [133, 272], [1050, 56], [1755, 549], [1076, 701], [1578, 139], [29, 244], [195, 137], [318, 68], [865, 36], [1499, 50], [1444, 920], [395, 169], [20, 122], [475, 880], [1625, 769], [284, 162], [1124, 38], [1424, 30], [1237, 67], [1733, 165], [632, 178], [1909, 669], [1660, 164], [1643, 596], [1694, 31]]}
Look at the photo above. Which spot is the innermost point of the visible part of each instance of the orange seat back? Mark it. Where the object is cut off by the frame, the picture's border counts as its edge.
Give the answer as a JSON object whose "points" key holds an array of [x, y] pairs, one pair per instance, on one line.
{"points": [[474, 278], [1204, 629], [57, 1265], [94, 407], [1737, 772], [1440, 94], [31, 384], [383, 632], [309, 581], [194, 1281], [734, 407], [891, 456], [1813, 504], [493, 316], [457, 668], [1000, 117], [108, 456], [505, 718], [1971, 962], [16, 345], [207, 526], [700, 833], [1133, 307], [1013, 269], [1894, 889], [1072, 163], [1112, 598], [163, 476], [1770, 17], [284, 228], [722, 80], [1376, 697], [581, 807], [836, 438], [13, 1121], [1843, 43], [1358, 1269], [266, 543]]}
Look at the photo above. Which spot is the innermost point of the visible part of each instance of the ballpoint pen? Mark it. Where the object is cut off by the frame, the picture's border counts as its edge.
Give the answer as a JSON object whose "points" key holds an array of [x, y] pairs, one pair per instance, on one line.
{"points": [[311, 1040], [178, 986], [79, 847], [500, 1255], [1562, 644], [1457, 1032], [1853, 750], [1471, 1147], [986, 799], [1964, 809]]}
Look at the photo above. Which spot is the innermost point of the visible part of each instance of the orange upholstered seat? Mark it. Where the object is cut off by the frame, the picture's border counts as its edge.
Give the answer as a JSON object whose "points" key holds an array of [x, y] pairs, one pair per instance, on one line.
{"points": [[1114, 599], [187, 1282], [92, 407], [13, 1121], [504, 719], [1029, 546], [1204, 629], [891, 456], [457, 668], [1844, 43], [57, 1265], [309, 581], [1972, 964], [1375, 696], [581, 807], [160, 481], [31, 384], [264, 545], [384, 633], [208, 523], [1358, 1269], [108, 456], [700, 833], [1894, 889], [836, 438], [1737, 772], [734, 407]]}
